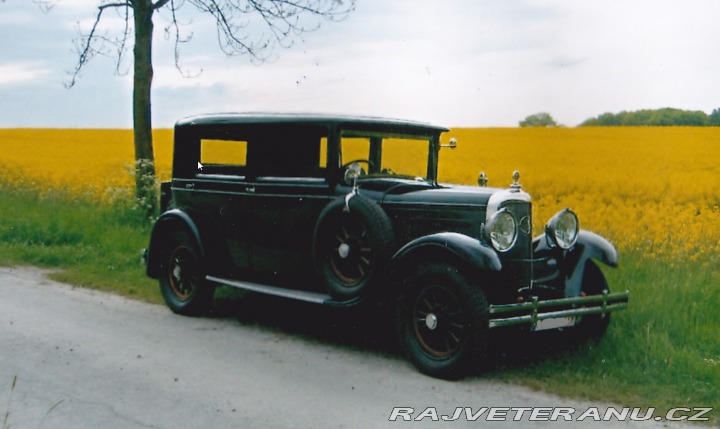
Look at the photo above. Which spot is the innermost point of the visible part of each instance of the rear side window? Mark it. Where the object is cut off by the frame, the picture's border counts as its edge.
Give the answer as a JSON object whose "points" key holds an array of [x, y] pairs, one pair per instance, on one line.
{"points": [[286, 155], [223, 152], [224, 157]]}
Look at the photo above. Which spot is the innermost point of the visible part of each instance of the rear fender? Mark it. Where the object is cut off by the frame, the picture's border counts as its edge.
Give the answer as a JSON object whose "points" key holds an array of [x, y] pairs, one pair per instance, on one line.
{"points": [[170, 221]]}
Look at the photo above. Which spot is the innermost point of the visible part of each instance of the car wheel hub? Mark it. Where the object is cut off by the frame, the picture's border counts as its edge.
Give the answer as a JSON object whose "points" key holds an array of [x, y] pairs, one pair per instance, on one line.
{"points": [[177, 271], [431, 321], [344, 250]]}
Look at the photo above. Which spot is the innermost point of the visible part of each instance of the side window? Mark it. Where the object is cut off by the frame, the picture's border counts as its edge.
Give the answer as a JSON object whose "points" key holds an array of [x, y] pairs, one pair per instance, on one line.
{"points": [[225, 157], [323, 152], [404, 156], [287, 156], [353, 148]]}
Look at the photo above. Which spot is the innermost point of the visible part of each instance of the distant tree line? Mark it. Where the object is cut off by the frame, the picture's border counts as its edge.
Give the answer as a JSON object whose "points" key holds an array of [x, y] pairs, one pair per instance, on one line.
{"points": [[657, 118], [542, 119]]}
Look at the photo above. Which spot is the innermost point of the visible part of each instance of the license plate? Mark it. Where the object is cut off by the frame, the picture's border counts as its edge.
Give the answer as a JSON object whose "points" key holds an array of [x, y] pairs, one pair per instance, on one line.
{"points": [[554, 323]]}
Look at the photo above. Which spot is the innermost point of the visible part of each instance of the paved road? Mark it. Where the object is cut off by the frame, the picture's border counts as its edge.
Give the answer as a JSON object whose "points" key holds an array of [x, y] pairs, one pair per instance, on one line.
{"points": [[86, 359]]}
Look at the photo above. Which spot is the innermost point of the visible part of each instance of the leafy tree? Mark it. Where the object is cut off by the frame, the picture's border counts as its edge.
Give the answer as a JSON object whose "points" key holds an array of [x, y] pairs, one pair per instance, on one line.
{"points": [[281, 19], [541, 119], [651, 117], [714, 118]]}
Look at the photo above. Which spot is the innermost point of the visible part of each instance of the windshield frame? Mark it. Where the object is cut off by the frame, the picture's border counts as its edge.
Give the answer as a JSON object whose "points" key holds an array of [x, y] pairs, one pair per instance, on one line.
{"points": [[376, 139]]}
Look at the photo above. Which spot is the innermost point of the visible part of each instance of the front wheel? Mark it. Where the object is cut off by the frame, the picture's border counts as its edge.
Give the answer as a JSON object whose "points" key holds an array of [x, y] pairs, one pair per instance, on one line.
{"points": [[593, 326], [182, 279], [442, 321]]}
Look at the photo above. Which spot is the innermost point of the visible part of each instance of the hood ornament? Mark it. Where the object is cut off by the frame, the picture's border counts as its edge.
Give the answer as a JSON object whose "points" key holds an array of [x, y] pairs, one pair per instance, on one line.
{"points": [[516, 186], [482, 179]]}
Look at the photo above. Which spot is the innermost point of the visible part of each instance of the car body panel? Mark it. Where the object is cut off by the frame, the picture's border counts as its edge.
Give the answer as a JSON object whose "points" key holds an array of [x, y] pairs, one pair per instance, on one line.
{"points": [[254, 222]]}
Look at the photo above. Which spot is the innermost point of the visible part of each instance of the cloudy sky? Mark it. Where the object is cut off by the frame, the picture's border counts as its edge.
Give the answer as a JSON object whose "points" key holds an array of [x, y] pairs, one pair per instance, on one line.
{"points": [[450, 62]]}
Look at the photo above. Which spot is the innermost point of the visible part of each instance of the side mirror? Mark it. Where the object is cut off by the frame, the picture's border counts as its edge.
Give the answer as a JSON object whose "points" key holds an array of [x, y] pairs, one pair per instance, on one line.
{"points": [[352, 173], [452, 144]]}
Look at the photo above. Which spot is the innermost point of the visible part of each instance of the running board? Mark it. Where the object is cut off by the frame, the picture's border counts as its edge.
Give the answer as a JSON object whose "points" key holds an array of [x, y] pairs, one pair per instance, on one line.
{"points": [[312, 297]]}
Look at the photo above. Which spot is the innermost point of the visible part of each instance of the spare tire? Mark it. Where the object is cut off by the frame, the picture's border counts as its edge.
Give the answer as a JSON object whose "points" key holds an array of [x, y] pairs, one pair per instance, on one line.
{"points": [[352, 245]]}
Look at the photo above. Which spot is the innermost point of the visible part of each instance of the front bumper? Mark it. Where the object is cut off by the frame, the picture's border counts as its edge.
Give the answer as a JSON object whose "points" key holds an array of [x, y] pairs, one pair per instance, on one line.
{"points": [[540, 314]]}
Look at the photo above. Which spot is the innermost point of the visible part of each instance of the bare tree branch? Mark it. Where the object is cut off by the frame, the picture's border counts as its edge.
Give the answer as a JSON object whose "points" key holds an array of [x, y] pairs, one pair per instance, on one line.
{"points": [[88, 51], [281, 18], [123, 38], [244, 27], [179, 39], [44, 5], [160, 3]]}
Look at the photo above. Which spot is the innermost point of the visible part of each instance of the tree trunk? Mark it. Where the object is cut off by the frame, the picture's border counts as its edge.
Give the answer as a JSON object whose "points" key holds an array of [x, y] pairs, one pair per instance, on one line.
{"points": [[145, 189]]}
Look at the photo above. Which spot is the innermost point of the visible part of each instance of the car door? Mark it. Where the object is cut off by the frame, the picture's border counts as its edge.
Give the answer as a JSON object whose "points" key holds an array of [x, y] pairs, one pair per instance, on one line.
{"points": [[216, 195], [287, 191]]}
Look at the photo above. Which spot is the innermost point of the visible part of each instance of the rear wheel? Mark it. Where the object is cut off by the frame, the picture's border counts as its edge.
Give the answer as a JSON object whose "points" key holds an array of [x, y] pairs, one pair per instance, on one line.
{"points": [[442, 320], [182, 278]]}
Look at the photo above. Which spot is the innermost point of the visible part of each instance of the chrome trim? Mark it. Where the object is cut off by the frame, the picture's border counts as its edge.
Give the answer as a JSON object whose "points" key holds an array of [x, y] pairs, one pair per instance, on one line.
{"points": [[488, 229], [451, 145], [213, 191], [551, 229], [503, 196], [516, 186], [312, 297], [525, 226], [443, 206], [608, 302], [482, 179]]}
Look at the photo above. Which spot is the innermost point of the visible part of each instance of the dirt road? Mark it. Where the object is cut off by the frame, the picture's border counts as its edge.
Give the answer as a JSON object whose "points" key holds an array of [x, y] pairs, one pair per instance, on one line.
{"points": [[86, 359]]}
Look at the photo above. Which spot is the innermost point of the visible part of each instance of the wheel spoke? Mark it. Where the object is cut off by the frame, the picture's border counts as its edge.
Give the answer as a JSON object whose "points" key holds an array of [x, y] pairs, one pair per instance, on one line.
{"points": [[448, 330], [435, 298], [455, 337]]}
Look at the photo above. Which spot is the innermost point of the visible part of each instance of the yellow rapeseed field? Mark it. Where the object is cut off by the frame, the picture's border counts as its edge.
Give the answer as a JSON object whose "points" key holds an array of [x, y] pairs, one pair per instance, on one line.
{"points": [[655, 190]]}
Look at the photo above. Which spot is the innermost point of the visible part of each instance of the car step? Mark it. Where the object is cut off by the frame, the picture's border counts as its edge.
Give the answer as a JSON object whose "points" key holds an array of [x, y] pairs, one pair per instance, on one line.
{"points": [[298, 295]]}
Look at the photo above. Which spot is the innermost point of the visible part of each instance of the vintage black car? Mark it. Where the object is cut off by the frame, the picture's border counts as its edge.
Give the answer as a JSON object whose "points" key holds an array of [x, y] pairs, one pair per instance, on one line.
{"points": [[347, 210]]}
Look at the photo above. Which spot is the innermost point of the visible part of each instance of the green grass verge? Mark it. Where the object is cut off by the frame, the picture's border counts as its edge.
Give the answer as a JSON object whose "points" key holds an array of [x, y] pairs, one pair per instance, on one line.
{"points": [[663, 352], [95, 245]]}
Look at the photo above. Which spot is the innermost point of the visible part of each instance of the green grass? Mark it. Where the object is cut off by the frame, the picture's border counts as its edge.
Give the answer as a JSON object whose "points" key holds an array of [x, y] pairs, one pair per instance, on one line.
{"points": [[95, 245], [663, 352]]}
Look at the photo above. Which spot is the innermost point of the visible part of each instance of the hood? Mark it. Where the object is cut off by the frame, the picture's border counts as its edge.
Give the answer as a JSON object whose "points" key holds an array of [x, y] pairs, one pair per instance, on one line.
{"points": [[406, 191]]}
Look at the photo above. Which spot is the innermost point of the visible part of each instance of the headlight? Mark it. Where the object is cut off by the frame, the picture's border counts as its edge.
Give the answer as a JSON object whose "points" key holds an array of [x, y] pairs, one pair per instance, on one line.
{"points": [[562, 229], [501, 230]]}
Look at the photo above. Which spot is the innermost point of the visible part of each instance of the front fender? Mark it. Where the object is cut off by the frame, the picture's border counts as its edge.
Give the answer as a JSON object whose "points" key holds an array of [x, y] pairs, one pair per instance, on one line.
{"points": [[453, 244], [571, 263]]}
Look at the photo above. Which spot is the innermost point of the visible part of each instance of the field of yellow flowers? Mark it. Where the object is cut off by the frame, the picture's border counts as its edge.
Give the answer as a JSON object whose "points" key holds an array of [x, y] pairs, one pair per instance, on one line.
{"points": [[652, 190]]}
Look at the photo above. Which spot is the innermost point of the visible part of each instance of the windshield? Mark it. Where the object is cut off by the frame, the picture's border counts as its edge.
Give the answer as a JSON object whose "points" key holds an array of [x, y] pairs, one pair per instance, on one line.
{"points": [[383, 155]]}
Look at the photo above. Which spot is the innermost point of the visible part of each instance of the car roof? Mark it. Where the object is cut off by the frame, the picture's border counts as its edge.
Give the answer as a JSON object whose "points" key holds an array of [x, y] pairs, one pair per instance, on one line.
{"points": [[343, 121]]}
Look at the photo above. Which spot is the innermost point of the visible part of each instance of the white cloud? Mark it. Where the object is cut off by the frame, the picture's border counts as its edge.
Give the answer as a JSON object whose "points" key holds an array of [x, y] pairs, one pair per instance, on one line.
{"points": [[457, 62], [19, 73]]}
